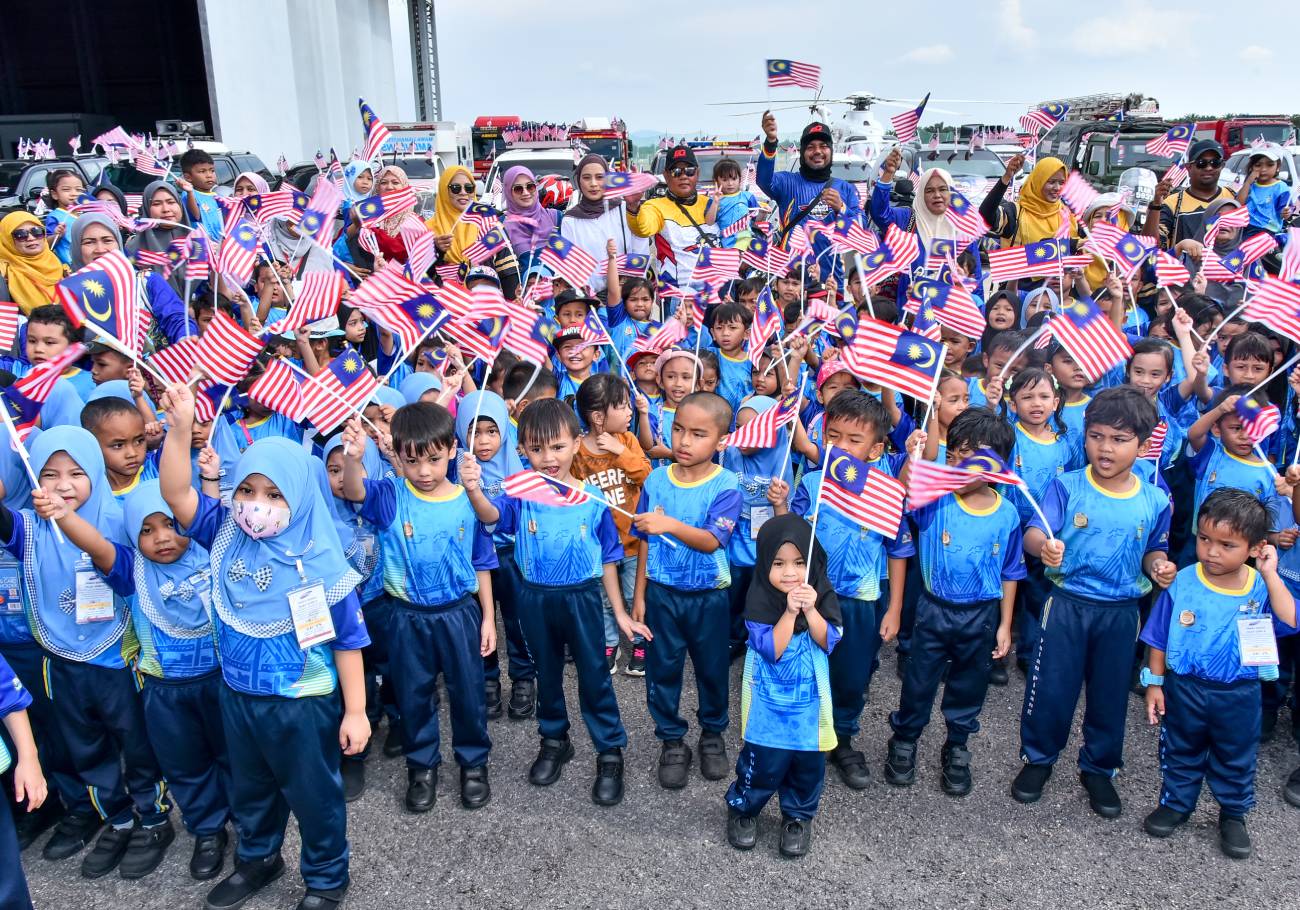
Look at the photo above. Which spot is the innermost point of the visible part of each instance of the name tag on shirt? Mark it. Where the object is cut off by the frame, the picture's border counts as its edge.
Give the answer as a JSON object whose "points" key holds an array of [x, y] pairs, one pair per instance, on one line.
{"points": [[312, 622], [94, 596], [1258, 645], [201, 581], [759, 516], [11, 598]]}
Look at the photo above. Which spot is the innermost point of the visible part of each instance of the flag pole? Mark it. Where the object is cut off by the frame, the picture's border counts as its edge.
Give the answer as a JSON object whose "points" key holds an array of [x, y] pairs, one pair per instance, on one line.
{"points": [[1020, 350], [478, 408], [789, 443], [1273, 375], [817, 507], [26, 459], [1173, 301], [602, 501], [1245, 302], [934, 388]]}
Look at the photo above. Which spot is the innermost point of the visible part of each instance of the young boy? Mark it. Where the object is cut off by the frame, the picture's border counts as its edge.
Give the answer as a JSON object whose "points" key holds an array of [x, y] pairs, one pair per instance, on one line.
{"points": [[1267, 198], [1000, 348], [49, 333], [859, 560], [1211, 639], [436, 561], [971, 560], [733, 205], [729, 329], [525, 384], [1107, 528], [573, 358], [119, 428], [1224, 456], [685, 518], [199, 176]]}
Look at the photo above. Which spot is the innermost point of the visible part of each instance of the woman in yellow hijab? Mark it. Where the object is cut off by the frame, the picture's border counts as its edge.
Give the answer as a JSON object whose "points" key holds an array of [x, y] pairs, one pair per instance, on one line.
{"points": [[1037, 214], [29, 270], [453, 235]]}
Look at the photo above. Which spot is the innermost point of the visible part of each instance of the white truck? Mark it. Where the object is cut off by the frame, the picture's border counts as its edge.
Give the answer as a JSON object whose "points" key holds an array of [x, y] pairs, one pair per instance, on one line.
{"points": [[425, 150]]}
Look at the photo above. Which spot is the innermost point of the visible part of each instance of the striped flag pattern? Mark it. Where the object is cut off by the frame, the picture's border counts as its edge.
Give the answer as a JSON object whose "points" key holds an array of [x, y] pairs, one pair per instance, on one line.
{"points": [[316, 299], [338, 391], [930, 480], [280, 389], [225, 351], [535, 487], [905, 123], [864, 494], [762, 431], [1258, 422], [782, 73]]}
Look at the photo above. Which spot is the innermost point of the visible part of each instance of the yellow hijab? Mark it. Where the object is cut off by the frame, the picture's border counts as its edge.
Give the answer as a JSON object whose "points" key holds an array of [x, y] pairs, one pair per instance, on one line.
{"points": [[446, 218], [1038, 219], [1098, 271], [31, 279]]}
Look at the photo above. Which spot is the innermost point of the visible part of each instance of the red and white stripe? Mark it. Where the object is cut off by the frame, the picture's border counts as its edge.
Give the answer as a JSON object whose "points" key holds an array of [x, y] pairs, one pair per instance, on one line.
{"points": [[879, 508], [176, 361], [280, 389], [225, 351], [538, 488]]}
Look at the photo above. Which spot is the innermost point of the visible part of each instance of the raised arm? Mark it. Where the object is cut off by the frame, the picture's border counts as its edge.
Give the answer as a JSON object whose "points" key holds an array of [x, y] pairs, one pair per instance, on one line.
{"points": [[175, 475]]}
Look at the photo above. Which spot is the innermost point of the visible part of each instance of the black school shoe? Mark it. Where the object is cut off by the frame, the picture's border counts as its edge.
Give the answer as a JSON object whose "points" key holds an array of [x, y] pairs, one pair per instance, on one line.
{"points": [[713, 756], [742, 830], [1102, 797], [29, 826], [674, 764], [146, 849], [1233, 839], [523, 698], [900, 763], [955, 778], [322, 900], [475, 792], [1029, 783], [550, 761], [421, 789], [353, 771], [796, 836], [1291, 790], [851, 764], [492, 695], [393, 741], [71, 835], [607, 789], [1164, 821], [107, 853], [209, 856], [247, 879], [998, 675]]}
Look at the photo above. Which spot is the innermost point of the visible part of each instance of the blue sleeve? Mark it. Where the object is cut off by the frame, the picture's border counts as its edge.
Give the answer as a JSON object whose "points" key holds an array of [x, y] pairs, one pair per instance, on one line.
{"points": [[902, 546], [760, 640], [611, 546], [1158, 536], [1013, 559], [208, 518], [18, 540], [484, 555], [722, 516], [1156, 632], [380, 505], [13, 697], [898, 435], [642, 505], [1198, 459], [1054, 504], [882, 212], [508, 521], [833, 635], [168, 310], [802, 502], [852, 202], [765, 169], [349, 624], [122, 578]]}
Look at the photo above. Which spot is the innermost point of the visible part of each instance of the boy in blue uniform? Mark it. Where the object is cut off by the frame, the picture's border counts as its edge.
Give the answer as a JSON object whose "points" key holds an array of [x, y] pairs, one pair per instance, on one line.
{"points": [[729, 328], [199, 178], [29, 785], [1211, 641], [1107, 529], [1224, 456], [436, 561], [971, 560], [566, 554], [685, 518], [120, 430]]}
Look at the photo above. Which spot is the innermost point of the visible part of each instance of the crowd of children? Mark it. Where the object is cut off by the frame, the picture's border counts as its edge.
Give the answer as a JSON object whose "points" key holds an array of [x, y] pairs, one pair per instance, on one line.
{"points": [[218, 613]]}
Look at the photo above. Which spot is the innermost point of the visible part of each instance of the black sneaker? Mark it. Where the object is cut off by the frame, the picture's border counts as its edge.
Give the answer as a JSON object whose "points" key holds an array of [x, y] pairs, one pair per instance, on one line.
{"points": [[1233, 839], [674, 764], [998, 675], [492, 695], [1029, 783], [108, 852], [247, 879], [29, 826], [523, 699], [611, 659], [146, 849], [955, 779], [1163, 821], [208, 857], [742, 830], [851, 764], [796, 836], [1102, 796], [713, 756], [1291, 790], [607, 789], [322, 900], [393, 741], [1267, 726], [353, 771], [421, 789], [900, 665], [900, 764], [475, 791], [71, 835], [636, 663], [550, 761]]}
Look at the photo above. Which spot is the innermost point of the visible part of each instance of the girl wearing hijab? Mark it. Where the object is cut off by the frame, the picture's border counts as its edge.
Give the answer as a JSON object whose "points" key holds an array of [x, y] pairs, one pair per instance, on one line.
{"points": [[528, 223], [160, 201], [1038, 213], [1226, 294], [358, 181], [251, 183], [107, 192], [29, 270], [453, 235], [591, 222], [793, 618], [289, 629], [85, 628]]}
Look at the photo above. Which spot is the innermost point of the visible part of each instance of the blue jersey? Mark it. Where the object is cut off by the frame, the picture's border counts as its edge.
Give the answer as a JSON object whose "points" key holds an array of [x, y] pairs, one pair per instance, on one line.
{"points": [[1039, 462], [63, 246], [148, 471], [734, 380], [167, 650], [733, 209], [13, 697], [754, 507], [711, 504], [1266, 202], [1215, 468], [1071, 418], [560, 545], [978, 396], [431, 547], [967, 553], [1106, 534], [210, 215], [247, 431], [1195, 623]]}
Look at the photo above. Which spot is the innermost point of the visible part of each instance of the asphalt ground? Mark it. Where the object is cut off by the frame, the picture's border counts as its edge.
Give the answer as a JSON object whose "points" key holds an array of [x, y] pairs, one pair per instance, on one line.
{"points": [[883, 847]]}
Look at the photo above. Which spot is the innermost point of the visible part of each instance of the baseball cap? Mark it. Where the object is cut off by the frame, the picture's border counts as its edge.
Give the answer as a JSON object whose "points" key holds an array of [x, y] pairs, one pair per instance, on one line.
{"points": [[563, 335], [829, 368], [680, 156], [1201, 146], [815, 132], [572, 296], [483, 273], [1270, 151], [634, 357]]}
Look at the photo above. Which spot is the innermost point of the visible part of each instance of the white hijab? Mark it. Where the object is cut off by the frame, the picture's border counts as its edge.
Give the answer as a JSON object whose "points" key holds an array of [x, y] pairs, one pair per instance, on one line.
{"points": [[928, 225]]}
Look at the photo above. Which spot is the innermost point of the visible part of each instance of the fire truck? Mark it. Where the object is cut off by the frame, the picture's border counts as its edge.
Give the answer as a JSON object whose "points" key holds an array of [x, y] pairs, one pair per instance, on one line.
{"points": [[486, 135], [1238, 132], [606, 137], [602, 135]]}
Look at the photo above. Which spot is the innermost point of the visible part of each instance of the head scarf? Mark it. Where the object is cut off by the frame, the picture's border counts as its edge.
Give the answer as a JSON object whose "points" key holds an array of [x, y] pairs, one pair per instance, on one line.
{"points": [[387, 395], [289, 246], [114, 388], [259, 182], [351, 171], [255, 577], [764, 463], [764, 603], [158, 239], [390, 224], [586, 209], [446, 218], [528, 228], [417, 384], [1038, 219], [928, 225], [112, 190], [76, 261], [1097, 271], [51, 578], [31, 279], [165, 592], [506, 461], [1031, 297], [1211, 215]]}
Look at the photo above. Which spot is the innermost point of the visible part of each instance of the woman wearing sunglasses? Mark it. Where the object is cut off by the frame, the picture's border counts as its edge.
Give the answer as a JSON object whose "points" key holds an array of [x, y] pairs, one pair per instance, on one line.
{"points": [[29, 270], [453, 234], [528, 222]]}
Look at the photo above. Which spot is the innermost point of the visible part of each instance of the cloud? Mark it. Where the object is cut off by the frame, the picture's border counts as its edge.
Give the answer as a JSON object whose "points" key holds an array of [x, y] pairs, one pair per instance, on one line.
{"points": [[1138, 28], [930, 53], [1011, 20], [1253, 53]]}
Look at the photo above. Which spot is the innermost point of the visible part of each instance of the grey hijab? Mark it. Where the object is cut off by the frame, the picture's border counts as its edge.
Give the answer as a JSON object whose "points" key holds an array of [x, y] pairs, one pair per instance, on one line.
{"points": [[159, 238], [79, 228]]}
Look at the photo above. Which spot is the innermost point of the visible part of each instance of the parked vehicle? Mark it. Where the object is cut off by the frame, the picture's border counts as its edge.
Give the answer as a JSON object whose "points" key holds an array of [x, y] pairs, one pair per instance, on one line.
{"points": [[23, 182], [1235, 133]]}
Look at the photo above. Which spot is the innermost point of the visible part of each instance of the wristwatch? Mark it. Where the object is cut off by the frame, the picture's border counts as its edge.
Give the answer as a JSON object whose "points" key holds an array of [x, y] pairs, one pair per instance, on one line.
{"points": [[1150, 679]]}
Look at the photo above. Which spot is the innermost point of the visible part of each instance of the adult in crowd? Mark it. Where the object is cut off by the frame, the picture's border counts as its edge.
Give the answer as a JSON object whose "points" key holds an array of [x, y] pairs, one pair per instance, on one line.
{"points": [[453, 235], [29, 270], [161, 201], [591, 221], [1038, 213], [680, 221], [528, 222], [1182, 214], [250, 183]]}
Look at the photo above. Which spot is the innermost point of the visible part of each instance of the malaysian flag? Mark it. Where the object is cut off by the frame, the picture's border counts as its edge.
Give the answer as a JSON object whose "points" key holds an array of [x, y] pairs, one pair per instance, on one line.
{"points": [[951, 305], [1175, 175], [1078, 194], [893, 257], [848, 235], [1256, 247], [375, 132], [1235, 217], [146, 163], [619, 184], [152, 260], [39, 383], [568, 260], [176, 361], [931, 480], [632, 265], [280, 389], [1155, 443], [701, 301], [865, 495], [1090, 337], [1170, 272], [481, 214], [338, 391], [525, 335], [1032, 260], [669, 335], [763, 255], [893, 357], [538, 488], [542, 287], [593, 331], [412, 319], [281, 204], [1114, 244], [767, 320], [487, 246], [238, 252], [335, 170], [964, 216], [225, 351], [1044, 117], [375, 209], [103, 294], [1257, 421], [739, 226], [317, 298], [8, 324], [716, 266], [1290, 270], [420, 249], [318, 218], [793, 73], [89, 205], [1276, 304], [905, 123], [763, 430], [1173, 143], [116, 138], [481, 338]]}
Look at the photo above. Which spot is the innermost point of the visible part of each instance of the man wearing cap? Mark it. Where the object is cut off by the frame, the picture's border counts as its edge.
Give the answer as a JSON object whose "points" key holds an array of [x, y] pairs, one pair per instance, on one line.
{"points": [[810, 194], [1178, 217], [680, 221]]}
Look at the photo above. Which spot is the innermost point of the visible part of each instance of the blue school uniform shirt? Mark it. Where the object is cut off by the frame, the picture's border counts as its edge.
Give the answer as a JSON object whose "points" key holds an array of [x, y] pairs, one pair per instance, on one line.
{"points": [[732, 209], [246, 432], [624, 330], [1265, 204], [967, 553], [1106, 534], [754, 475], [431, 547], [1195, 623], [210, 215], [1071, 418], [1214, 467], [13, 697], [978, 397], [557, 546], [785, 703], [63, 248], [734, 379], [711, 504], [167, 651], [1039, 462], [148, 471]]}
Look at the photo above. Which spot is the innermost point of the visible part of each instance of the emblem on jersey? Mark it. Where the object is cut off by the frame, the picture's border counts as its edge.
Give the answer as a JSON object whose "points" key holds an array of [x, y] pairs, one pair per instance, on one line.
{"points": [[1213, 475], [1141, 528], [1080, 520], [408, 530], [1187, 618], [532, 526], [947, 538], [996, 547], [659, 510]]}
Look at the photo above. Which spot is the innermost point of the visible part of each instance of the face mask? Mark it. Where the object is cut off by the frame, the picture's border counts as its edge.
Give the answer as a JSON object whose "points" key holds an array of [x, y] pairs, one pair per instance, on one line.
{"points": [[259, 520]]}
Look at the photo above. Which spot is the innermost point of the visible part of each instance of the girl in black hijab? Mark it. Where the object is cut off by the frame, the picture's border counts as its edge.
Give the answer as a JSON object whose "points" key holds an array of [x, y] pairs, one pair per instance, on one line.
{"points": [[793, 618]]}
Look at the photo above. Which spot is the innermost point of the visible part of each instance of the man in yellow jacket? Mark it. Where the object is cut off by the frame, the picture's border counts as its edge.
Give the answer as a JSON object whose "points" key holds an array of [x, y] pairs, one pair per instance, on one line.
{"points": [[681, 221]]}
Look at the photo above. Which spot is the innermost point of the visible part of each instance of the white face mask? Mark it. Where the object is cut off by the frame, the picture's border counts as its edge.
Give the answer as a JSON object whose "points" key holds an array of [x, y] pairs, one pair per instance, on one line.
{"points": [[259, 520]]}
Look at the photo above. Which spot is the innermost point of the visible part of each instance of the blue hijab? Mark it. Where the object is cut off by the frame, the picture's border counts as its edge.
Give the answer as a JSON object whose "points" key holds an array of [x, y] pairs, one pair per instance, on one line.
{"points": [[372, 463], [506, 461], [351, 171], [417, 384], [164, 591], [764, 462], [63, 407], [114, 388], [255, 577], [50, 562], [18, 486], [387, 395]]}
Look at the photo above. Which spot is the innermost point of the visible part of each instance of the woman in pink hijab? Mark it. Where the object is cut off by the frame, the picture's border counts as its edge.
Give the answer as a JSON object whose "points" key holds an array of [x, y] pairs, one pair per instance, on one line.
{"points": [[528, 222]]}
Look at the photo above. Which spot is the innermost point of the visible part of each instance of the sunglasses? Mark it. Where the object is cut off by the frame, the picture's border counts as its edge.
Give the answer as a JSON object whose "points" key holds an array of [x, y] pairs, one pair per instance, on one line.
{"points": [[460, 187], [684, 171], [1207, 164], [35, 233], [524, 188]]}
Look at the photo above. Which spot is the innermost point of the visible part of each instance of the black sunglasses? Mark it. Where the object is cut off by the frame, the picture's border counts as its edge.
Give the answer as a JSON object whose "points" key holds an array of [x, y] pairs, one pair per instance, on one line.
{"points": [[460, 187], [524, 188], [684, 171], [1207, 164], [34, 233]]}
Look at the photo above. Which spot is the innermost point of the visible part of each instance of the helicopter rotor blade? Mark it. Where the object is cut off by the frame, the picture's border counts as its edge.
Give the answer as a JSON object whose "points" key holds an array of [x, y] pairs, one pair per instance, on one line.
{"points": [[768, 101]]}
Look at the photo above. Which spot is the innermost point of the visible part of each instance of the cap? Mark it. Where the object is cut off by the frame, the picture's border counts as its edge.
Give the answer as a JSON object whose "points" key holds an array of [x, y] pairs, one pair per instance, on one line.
{"points": [[815, 132], [321, 328], [1201, 146], [562, 335], [1270, 151], [572, 296], [483, 273], [680, 156], [635, 357], [828, 369]]}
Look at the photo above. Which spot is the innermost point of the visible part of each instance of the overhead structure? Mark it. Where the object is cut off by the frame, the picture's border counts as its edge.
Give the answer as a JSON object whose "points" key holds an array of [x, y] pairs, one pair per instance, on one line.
{"points": [[424, 60]]}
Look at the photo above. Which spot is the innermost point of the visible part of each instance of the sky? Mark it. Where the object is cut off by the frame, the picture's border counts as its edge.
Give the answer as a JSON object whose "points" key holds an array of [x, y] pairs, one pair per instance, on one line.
{"points": [[658, 66]]}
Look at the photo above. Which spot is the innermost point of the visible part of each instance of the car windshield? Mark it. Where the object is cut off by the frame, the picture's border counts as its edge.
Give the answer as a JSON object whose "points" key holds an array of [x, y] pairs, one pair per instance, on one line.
{"points": [[418, 168], [852, 171], [979, 163], [608, 148], [558, 167], [10, 173], [488, 144], [1132, 152], [127, 179], [1270, 132]]}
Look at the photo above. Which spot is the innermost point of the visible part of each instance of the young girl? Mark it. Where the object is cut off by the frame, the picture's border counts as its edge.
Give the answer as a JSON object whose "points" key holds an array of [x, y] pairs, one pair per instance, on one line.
{"points": [[1071, 381], [950, 399], [62, 190], [793, 618], [678, 371], [289, 630], [632, 320], [1000, 314], [1267, 198]]}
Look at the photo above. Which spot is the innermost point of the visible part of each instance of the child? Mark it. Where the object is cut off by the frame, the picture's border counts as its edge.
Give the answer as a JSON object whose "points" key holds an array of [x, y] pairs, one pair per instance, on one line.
{"points": [[289, 630], [793, 620], [952, 399], [29, 785], [681, 586], [957, 347], [1267, 198], [49, 333], [733, 205], [199, 177], [119, 429], [525, 384], [1149, 370], [610, 459], [62, 189], [1202, 679], [710, 372], [833, 377], [574, 357], [561, 552], [678, 371], [994, 357], [1108, 528], [729, 329], [436, 560], [1224, 456], [971, 560], [260, 422], [631, 320], [1071, 382]]}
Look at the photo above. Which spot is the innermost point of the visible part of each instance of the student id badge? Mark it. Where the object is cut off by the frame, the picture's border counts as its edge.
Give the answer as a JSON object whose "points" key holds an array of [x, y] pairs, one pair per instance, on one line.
{"points": [[94, 596], [11, 597], [1258, 645], [312, 622], [759, 516]]}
